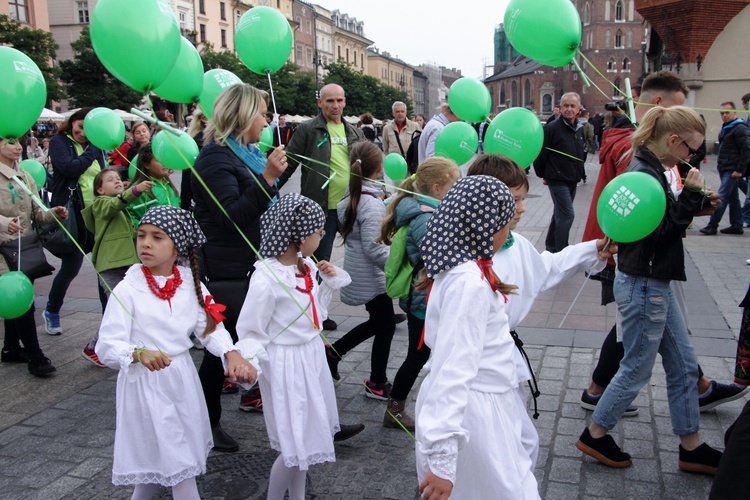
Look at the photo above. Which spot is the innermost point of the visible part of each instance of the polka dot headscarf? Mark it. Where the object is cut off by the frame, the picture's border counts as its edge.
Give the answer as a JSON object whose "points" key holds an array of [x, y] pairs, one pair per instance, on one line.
{"points": [[290, 220], [180, 226], [462, 227]]}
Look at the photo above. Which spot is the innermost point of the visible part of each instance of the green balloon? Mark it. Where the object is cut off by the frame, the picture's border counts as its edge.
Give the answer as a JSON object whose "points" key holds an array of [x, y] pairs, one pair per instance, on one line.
{"points": [[132, 168], [631, 206], [263, 40], [23, 93], [395, 167], [117, 27], [457, 141], [516, 133], [175, 152], [17, 293], [214, 83], [104, 129], [548, 31], [266, 139], [185, 82], [36, 170], [469, 100]]}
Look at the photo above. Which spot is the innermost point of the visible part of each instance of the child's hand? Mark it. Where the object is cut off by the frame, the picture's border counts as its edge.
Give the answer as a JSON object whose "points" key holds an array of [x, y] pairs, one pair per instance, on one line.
{"points": [[435, 488], [606, 248], [326, 268], [153, 360], [144, 187], [239, 369]]}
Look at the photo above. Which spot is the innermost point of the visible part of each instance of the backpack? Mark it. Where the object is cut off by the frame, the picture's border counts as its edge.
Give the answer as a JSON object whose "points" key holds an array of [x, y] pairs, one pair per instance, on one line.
{"points": [[412, 153], [399, 271]]}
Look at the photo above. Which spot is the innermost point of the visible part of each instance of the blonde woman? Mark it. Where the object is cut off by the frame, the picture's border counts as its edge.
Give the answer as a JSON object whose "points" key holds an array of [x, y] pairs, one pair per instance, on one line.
{"points": [[650, 316]]}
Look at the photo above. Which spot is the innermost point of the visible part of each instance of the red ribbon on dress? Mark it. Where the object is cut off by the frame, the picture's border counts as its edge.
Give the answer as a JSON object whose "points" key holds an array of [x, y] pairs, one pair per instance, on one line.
{"points": [[308, 290], [215, 309], [486, 266]]}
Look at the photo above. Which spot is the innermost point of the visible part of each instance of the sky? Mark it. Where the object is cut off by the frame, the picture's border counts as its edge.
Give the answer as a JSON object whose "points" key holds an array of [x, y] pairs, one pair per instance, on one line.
{"points": [[420, 31]]}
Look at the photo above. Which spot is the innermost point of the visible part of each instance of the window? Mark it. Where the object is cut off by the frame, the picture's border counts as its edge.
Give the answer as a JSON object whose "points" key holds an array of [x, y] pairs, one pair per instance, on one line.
{"points": [[607, 39], [626, 64], [224, 39], [83, 12], [347, 55], [338, 49], [19, 11], [202, 6], [527, 93], [355, 58], [203, 32], [611, 64], [617, 83], [502, 94], [309, 56], [586, 14], [547, 104], [618, 40], [619, 11], [223, 11], [182, 21], [630, 39], [298, 54], [362, 60], [513, 94]]}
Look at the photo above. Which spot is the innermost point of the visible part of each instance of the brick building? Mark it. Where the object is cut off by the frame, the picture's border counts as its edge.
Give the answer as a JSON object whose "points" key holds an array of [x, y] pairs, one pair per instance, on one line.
{"points": [[613, 40]]}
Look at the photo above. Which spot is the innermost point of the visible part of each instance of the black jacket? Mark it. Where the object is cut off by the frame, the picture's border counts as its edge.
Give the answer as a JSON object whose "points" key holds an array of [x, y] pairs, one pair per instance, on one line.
{"points": [[68, 167], [734, 147], [660, 255], [244, 196], [554, 167]]}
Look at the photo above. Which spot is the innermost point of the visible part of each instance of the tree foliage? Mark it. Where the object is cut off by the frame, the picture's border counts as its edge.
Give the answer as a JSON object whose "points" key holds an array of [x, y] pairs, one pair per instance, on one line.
{"points": [[294, 90], [39, 46], [364, 93], [88, 83]]}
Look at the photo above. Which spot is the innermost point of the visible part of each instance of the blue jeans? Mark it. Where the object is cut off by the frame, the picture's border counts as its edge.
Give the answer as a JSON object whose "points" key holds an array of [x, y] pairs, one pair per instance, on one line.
{"points": [[562, 216], [331, 227], [651, 324], [70, 264], [730, 196]]}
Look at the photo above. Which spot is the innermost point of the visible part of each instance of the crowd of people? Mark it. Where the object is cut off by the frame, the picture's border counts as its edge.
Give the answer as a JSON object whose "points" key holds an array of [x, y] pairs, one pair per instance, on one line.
{"points": [[231, 267]]}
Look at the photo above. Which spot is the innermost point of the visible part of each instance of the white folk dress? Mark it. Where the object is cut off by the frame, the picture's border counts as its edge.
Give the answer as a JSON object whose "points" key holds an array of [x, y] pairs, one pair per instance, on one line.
{"points": [[162, 432], [299, 401], [533, 272], [468, 417]]}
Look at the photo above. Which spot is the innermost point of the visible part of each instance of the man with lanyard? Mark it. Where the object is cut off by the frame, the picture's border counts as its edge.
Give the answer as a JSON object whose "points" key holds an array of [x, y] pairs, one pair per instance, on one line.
{"points": [[321, 145], [397, 135]]}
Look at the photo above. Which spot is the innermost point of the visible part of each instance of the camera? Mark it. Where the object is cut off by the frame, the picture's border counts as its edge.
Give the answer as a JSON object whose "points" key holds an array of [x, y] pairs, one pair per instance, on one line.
{"points": [[616, 105]]}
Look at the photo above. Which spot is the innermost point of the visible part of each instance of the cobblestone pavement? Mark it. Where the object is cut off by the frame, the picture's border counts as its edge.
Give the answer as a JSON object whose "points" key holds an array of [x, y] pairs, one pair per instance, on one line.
{"points": [[56, 435]]}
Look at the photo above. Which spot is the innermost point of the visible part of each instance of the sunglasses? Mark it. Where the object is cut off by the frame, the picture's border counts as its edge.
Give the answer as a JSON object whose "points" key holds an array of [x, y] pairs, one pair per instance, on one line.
{"points": [[692, 151]]}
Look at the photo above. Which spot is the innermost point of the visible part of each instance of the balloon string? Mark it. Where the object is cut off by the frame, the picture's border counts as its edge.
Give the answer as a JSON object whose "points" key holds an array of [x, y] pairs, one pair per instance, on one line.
{"points": [[563, 153], [273, 101], [588, 277], [130, 162]]}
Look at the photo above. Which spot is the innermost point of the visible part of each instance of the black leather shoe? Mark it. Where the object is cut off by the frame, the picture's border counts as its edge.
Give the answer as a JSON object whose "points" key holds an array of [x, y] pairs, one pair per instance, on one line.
{"points": [[348, 431], [41, 366], [708, 230], [732, 230], [223, 441], [400, 318], [329, 324], [16, 355]]}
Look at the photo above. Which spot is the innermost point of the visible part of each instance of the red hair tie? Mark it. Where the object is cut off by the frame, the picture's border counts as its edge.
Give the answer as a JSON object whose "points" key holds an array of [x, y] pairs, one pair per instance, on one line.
{"points": [[215, 309]]}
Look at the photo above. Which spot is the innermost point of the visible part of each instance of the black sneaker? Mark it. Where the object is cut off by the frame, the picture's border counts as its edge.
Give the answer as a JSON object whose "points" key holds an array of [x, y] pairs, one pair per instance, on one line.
{"points": [[41, 366], [15, 355], [708, 230], [329, 324], [720, 394], [732, 230], [378, 391], [603, 449], [589, 402], [223, 441], [333, 362], [703, 459], [348, 431]]}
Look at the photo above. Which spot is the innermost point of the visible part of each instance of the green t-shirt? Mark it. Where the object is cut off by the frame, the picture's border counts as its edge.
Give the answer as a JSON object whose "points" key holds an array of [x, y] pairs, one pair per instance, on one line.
{"points": [[339, 164], [86, 180]]}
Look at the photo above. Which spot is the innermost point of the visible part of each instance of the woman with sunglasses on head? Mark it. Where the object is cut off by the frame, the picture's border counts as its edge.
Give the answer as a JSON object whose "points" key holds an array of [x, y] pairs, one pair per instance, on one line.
{"points": [[650, 317]]}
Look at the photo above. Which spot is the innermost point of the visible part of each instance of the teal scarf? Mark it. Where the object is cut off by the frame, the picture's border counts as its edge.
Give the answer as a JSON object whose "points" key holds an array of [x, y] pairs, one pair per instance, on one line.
{"points": [[252, 157]]}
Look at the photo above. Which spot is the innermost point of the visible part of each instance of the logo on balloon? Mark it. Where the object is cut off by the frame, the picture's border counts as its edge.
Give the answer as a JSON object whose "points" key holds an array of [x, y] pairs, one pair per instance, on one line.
{"points": [[23, 67], [227, 79], [623, 201], [506, 140]]}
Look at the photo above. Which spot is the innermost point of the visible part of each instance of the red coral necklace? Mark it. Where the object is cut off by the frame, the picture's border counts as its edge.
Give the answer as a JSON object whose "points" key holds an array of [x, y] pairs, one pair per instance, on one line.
{"points": [[170, 287]]}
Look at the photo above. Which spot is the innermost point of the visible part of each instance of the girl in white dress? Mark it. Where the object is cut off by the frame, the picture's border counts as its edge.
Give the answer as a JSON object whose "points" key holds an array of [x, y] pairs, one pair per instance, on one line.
{"points": [[162, 434], [468, 417], [283, 310]]}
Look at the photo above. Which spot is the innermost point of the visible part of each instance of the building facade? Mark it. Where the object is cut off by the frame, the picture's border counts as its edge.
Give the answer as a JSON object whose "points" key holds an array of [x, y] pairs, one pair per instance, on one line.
{"points": [[390, 71], [304, 35], [349, 41], [32, 13], [419, 99], [324, 48]]}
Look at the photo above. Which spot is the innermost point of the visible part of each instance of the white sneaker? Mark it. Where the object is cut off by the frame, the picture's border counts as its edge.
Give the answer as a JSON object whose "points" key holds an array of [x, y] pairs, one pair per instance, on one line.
{"points": [[747, 262]]}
